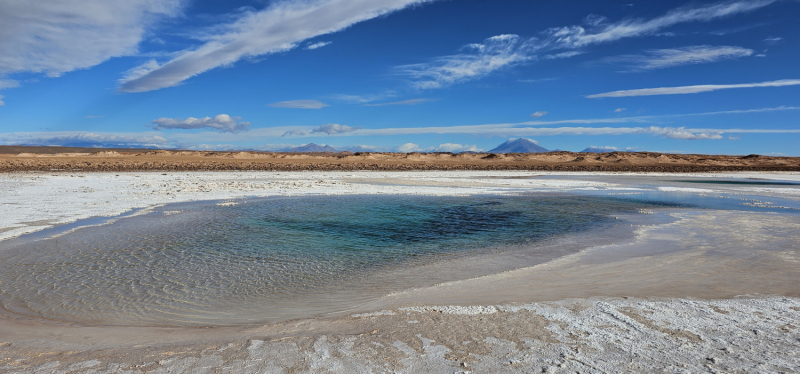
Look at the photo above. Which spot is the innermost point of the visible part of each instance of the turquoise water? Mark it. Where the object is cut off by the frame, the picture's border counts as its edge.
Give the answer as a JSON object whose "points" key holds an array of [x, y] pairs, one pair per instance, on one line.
{"points": [[280, 258]]}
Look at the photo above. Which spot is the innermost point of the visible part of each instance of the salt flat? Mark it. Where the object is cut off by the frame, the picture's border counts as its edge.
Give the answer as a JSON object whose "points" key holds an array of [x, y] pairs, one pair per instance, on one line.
{"points": [[707, 290]]}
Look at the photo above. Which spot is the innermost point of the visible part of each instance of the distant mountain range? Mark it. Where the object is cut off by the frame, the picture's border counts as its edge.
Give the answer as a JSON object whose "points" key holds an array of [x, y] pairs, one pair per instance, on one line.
{"points": [[311, 148], [601, 150], [520, 145]]}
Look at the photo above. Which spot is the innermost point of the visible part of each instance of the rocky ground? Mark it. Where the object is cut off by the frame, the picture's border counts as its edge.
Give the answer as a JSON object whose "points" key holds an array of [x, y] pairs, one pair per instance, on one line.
{"points": [[14, 158]]}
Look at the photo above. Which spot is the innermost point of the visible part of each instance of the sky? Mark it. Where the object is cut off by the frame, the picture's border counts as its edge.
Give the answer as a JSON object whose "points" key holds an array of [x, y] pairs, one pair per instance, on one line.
{"points": [[402, 75]]}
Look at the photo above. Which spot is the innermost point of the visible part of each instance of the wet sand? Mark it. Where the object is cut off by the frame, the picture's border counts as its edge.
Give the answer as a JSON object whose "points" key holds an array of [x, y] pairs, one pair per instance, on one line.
{"points": [[710, 290]]}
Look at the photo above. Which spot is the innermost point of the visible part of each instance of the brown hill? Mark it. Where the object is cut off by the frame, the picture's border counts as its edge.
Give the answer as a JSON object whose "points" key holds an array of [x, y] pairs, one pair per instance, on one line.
{"points": [[92, 159]]}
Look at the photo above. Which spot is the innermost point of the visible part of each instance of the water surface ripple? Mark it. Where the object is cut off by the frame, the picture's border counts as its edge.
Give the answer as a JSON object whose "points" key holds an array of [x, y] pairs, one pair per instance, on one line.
{"points": [[276, 258]]}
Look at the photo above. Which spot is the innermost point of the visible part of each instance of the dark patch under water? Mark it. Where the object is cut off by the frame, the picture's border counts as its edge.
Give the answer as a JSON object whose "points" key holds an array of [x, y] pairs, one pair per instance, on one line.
{"points": [[201, 263]]}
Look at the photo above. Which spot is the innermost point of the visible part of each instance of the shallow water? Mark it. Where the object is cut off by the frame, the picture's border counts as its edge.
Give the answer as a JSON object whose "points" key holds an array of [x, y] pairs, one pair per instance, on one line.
{"points": [[273, 259]]}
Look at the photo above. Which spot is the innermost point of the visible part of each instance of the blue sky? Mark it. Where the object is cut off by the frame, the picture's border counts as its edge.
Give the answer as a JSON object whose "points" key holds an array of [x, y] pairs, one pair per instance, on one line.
{"points": [[402, 75]]}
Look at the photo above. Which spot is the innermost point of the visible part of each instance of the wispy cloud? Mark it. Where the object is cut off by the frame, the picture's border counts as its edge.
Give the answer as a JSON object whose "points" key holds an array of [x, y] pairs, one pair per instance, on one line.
{"points": [[683, 133], [666, 58], [279, 27], [85, 139], [573, 37], [538, 114], [361, 99], [446, 147], [8, 83], [773, 40], [327, 129], [405, 102], [506, 51], [56, 37], [317, 45], [538, 80], [220, 122], [492, 54], [299, 104], [693, 89], [556, 56], [619, 110], [735, 30]]}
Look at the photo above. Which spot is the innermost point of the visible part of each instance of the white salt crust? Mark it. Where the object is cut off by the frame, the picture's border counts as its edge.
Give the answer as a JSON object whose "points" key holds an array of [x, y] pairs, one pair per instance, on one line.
{"points": [[33, 201]]}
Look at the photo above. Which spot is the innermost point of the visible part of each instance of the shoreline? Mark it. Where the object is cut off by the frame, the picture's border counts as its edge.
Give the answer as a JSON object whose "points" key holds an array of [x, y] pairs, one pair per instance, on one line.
{"points": [[734, 269], [83, 195]]}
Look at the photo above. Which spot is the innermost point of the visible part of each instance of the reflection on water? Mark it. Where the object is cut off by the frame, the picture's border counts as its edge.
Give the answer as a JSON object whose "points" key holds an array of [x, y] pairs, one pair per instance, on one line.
{"points": [[274, 259]]}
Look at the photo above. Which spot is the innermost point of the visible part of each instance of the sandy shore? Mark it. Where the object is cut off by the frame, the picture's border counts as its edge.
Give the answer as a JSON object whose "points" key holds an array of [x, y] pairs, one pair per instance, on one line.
{"points": [[712, 290]]}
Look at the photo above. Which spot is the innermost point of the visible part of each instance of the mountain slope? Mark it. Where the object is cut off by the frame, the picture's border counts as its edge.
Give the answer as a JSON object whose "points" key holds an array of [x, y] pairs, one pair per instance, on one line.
{"points": [[311, 147], [520, 145]]}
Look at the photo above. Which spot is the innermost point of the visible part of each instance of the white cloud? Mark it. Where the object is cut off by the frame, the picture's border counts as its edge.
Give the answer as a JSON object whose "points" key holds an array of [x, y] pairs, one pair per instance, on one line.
{"points": [[538, 80], [334, 129], [446, 147], [506, 51], [619, 110], [405, 102], [773, 40], [665, 58], [455, 148], [220, 122], [58, 36], [361, 99], [605, 148], [493, 54], [594, 20], [317, 45], [739, 111], [693, 89], [327, 129], [408, 148], [8, 83], [556, 56], [279, 27], [577, 36], [734, 138], [299, 104], [85, 139], [538, 114], [683, 133]]}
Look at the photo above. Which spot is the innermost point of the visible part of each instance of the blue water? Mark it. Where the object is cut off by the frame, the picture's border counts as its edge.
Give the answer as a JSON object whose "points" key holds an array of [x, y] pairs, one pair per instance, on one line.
{"points": [[281, 258]]}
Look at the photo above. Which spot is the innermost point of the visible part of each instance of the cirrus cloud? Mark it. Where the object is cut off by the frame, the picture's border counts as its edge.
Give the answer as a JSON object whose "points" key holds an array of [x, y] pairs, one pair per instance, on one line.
{"points": [[693, 89], [299, 104], [506, 51], [277, 28], [666, 58]]}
